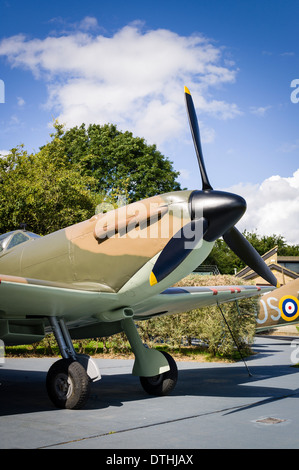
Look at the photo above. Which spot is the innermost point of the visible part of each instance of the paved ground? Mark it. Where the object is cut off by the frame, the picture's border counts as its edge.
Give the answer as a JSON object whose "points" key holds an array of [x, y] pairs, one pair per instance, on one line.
{"points": [[213, 406]]}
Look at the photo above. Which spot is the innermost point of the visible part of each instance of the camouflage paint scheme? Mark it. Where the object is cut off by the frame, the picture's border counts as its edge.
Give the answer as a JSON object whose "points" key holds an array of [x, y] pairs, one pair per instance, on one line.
{"points": [[77, 274]]}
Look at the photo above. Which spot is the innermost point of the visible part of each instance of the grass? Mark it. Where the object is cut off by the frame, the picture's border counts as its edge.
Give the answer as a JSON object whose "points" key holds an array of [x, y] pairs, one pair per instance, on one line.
{"points": [[97, 349]]}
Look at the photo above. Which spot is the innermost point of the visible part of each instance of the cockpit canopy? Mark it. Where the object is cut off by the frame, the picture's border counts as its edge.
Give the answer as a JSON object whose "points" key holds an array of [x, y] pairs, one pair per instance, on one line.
{"points": [[10, 239]]}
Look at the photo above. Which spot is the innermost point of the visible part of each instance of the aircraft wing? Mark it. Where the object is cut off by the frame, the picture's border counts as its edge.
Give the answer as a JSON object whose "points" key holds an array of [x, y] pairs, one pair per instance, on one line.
{"points": [[21, 297], [184, 299], [24, 304]]}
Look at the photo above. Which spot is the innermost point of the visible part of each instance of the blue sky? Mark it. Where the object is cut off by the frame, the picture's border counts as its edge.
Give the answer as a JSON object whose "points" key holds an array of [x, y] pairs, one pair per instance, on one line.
{"points": [[127, 62]]}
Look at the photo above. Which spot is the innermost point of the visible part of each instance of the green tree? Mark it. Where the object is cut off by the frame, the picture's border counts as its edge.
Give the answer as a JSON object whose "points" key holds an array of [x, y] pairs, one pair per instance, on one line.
{"points": [[42, 192], [76, 171], [115, 159], [265, 243]]}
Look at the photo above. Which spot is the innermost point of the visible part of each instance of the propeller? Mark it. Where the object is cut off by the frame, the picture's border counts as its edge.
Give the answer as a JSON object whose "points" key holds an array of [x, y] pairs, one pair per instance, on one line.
{"points": [[214, 214]]}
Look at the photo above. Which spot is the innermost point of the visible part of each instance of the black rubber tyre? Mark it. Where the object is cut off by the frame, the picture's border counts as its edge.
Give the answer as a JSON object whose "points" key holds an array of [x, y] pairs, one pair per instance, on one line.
{"points": [[68, 384], [161, 384]]}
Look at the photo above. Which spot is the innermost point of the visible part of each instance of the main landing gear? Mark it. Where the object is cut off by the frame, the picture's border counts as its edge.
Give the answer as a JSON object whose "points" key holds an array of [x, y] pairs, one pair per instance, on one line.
{"points": [[69, 379]]}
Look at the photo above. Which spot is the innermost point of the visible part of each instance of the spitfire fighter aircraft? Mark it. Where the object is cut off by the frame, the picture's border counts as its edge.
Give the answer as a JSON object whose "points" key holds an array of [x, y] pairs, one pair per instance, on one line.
{"points": [[97, 277]]}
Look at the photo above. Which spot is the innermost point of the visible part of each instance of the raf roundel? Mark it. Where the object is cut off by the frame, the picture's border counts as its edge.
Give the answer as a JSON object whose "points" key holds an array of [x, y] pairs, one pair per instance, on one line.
{"points": [[289, 307]]}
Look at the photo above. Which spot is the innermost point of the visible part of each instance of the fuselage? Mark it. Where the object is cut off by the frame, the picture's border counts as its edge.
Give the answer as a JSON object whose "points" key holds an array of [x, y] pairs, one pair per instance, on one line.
{"points": [[115, 252], [82, 257]]}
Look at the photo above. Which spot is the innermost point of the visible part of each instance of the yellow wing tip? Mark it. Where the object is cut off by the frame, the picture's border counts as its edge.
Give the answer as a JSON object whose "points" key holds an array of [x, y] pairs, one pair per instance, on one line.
{"points": [[186, 90], [153, 279]]}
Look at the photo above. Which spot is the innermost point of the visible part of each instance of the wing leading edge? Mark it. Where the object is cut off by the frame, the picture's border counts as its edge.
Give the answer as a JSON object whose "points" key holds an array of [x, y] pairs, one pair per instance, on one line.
{"points": [[183, 299]]}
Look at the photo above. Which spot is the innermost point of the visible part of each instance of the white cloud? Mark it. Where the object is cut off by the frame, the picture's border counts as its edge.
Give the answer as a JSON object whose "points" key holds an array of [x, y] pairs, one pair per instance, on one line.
{"points": [[259, 111], [3, 153], [88, 23], [287, 54], [133, 78], [207, 134], [288, 147], [184, 174], [272, 207], [21, 102]]}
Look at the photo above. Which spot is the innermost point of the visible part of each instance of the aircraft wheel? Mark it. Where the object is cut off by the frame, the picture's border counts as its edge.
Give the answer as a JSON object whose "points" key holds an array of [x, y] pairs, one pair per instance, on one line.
{"points": [[161, 384], [68, 384]]}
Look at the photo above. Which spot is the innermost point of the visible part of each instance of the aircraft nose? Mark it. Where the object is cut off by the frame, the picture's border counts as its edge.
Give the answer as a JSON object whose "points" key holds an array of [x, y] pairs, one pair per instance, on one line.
{"points": [[222, 210]]}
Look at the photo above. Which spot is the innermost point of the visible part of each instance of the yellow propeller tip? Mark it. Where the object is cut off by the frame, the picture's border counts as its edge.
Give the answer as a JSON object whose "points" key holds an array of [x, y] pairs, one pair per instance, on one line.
{"points": [[153, 279], [278, 285], [186, 90]]}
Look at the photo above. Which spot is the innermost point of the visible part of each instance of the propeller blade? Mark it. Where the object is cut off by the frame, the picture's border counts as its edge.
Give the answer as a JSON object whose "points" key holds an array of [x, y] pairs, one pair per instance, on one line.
{"points": [[176, 250], [220, 210], [196, 139], [244, 250]]}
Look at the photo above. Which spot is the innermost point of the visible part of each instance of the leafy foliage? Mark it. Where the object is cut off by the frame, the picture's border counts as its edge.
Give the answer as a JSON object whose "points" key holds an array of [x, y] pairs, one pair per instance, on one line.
{"points": [[42, 193], [115, 159], [76, 171]]}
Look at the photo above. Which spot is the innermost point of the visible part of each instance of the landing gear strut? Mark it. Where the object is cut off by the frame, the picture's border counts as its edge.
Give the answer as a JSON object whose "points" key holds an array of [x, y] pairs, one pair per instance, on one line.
{"points": [[157, 370], [68, 380]]}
